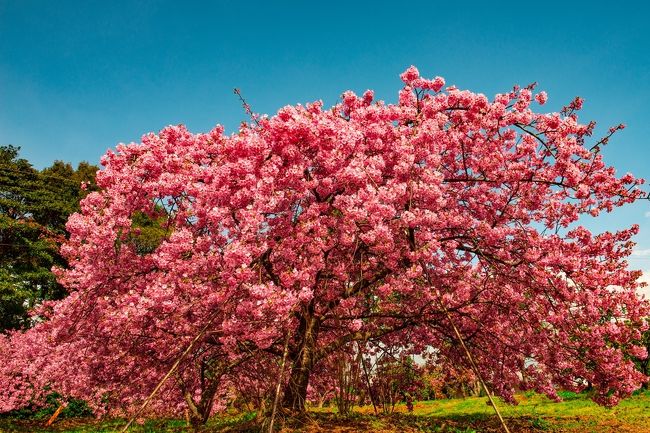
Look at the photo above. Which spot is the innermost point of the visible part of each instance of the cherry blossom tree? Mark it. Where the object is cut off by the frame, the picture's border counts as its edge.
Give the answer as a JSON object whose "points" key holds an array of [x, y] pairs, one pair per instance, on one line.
{"points": [[326, 228]]}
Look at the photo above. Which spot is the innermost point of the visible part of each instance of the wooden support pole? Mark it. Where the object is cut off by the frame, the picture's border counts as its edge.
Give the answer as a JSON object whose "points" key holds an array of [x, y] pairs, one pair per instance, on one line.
{"points": [[475, 368], [167, 376], [276, 399], [367, 376], [55, 415]]}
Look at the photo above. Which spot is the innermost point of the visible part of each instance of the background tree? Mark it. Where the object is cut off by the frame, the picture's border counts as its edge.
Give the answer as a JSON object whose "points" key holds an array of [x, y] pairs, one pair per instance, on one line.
{"points": [[396, 380], [34, 207]]}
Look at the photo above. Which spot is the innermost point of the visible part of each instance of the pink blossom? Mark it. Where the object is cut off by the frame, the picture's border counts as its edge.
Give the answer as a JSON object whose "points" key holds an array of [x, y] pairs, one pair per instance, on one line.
{"points": [[541, 98], [437, 84], [410, 75], [355, 325]]}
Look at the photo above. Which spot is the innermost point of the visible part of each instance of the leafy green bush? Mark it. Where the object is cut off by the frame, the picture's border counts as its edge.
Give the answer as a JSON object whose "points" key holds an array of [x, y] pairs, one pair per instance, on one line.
{"points": [[74, 409]]}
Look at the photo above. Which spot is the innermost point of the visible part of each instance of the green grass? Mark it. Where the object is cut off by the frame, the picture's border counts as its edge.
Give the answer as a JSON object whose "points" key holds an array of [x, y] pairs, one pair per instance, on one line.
{"points": [[576, 412], [534, 413], [635, 407]]}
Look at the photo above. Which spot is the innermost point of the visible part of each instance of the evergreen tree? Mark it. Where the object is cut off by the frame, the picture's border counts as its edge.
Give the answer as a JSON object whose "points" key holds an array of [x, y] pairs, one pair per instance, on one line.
{"points": [[34, 207]]}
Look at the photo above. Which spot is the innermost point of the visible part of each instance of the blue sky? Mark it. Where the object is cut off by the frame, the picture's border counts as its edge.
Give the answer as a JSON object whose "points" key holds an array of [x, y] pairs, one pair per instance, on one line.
{"points": [[79, 77]]}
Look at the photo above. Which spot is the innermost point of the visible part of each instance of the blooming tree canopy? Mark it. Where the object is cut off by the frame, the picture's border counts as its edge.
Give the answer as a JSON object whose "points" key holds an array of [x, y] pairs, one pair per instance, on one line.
{"points": [[330, 227]]}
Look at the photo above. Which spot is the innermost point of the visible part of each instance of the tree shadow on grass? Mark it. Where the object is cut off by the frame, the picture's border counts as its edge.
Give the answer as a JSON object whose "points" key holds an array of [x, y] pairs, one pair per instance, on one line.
{"points": [[408, 423], [311, 422]]}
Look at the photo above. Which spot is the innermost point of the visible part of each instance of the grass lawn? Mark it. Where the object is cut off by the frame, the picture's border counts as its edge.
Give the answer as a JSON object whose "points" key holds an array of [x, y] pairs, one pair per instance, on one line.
{"points": [[535, 413]]}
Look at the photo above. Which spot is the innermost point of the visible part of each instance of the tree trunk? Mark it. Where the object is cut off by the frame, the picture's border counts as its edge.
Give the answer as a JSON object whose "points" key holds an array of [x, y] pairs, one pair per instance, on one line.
{"points": [[295, 393], [200, 412]]}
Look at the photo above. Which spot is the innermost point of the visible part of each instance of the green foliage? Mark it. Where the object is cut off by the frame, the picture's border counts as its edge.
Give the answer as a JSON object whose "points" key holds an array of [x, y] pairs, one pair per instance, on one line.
{"points": [[34, 207], [74, 409], [568, 395], [147, 232], [540, 424]]}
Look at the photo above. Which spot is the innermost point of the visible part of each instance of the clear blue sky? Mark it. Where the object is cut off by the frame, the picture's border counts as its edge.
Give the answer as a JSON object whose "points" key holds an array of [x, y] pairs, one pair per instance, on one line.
{"points": [[79, 77]]}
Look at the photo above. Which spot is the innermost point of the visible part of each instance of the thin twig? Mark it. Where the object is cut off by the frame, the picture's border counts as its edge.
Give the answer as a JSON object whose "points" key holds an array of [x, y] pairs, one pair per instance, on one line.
{"points": [[247, 107]]}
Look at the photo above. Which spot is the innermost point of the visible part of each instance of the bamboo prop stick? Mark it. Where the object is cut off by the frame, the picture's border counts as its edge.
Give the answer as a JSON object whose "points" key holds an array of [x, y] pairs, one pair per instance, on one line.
{"points": [[55, 415], [277, 388], [475, 368], [365, 371], [167, 376]]}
